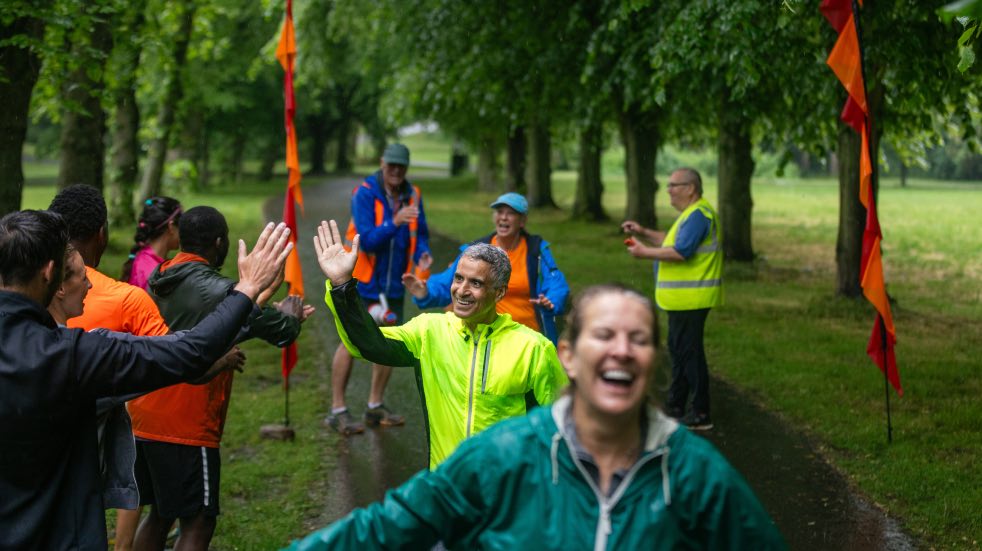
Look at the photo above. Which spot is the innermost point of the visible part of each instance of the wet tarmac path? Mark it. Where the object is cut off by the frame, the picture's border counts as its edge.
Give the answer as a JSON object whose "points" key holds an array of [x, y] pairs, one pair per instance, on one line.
{"points": [[811, 503]]}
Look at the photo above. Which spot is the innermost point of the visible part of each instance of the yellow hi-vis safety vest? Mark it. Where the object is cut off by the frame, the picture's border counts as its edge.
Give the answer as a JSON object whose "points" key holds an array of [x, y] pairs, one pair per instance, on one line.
{"points": [[698, 281]]}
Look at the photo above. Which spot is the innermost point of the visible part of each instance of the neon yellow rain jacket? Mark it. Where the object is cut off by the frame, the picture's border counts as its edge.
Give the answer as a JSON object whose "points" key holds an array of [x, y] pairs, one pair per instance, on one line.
{"points": [[467, 380]]}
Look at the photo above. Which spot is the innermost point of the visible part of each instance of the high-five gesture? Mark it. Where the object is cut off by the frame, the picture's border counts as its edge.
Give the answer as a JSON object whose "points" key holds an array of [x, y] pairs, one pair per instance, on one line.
{"points": [[336, 263], [259, 268]]}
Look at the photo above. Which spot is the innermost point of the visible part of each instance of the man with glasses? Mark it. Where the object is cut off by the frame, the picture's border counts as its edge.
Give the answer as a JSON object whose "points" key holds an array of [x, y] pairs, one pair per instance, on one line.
{"points": [[689, 272]]}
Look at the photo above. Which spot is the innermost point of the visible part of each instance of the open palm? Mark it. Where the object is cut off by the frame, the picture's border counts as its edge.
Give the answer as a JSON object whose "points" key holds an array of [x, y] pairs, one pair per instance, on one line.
{"points": [[336, 263]]}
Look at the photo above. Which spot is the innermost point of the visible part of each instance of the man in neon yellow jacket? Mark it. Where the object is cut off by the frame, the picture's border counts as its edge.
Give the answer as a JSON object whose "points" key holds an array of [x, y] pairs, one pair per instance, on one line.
{"points": [[474, 367], [690, 282]]}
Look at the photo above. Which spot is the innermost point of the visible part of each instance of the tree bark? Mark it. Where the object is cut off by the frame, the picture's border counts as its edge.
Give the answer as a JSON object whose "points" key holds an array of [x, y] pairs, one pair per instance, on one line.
{"points": [[459, 162], [343, 138], [639, 133], [852, 216], [19, 67], [588, 204], [735, 170], [487, 165], [271, 154], [154, 169], [515, 162], [83, 126], [540, 167], [237, 159], [204, 156], [317, 128], [125, 151]]}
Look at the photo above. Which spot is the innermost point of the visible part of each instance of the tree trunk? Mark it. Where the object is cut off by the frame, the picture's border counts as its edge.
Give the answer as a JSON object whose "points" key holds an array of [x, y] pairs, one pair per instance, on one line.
{"points": [[271, 154], [459, 162], [487, 165], [20, 67], [237, 159], [83, 126], [342, 139], [154, 170], [852, 216], [317, 128], [515, 162], [736, 168], [125, 152], [639, 132], [588, 204], [540, 168], [903, 174], [204, 156]]}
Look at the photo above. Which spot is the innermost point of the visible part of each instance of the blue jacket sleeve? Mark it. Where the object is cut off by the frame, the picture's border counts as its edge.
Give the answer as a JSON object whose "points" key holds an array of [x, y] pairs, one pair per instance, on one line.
{"points": [[438, 287], [554, 285], [363, 212]]}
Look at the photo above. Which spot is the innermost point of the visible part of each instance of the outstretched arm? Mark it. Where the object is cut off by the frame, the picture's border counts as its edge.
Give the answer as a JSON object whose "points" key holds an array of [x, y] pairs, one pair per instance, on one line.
{"points": [[355, 326]]}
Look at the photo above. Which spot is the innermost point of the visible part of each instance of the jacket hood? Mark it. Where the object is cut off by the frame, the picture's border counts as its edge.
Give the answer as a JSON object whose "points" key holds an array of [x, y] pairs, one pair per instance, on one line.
{"points": [[549, 427], [164, 283]]}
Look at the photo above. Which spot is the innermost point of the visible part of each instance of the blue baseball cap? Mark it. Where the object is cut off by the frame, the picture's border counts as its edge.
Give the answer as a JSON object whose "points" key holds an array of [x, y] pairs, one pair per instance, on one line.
{"points": [[513, 200], [396, 154]]}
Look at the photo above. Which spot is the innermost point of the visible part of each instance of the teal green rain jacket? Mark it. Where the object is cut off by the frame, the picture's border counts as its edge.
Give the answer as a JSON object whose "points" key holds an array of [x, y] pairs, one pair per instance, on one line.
{"points": [[519, 485]]}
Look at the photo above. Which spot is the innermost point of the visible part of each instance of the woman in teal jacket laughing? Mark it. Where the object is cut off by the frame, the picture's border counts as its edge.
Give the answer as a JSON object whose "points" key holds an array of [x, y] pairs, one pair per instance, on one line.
{"points": [[598, 469]]}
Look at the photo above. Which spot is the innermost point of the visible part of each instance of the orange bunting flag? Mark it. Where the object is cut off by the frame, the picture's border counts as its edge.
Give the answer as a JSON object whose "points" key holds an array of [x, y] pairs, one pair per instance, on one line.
{"points": [[846, 62], [286, 53]]}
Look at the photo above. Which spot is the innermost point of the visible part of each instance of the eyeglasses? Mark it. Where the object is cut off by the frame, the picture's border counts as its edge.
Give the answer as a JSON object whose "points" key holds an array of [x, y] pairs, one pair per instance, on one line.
{"points": [[672, 185]]}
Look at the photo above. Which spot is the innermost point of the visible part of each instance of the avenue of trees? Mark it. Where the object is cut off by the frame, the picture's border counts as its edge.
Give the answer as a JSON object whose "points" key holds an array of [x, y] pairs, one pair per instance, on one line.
{"points": [[136, 89]]}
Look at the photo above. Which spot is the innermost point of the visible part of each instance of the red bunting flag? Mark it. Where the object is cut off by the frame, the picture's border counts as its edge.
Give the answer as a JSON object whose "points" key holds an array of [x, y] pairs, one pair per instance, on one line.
{"points": [[846, 62], [286, 53]]}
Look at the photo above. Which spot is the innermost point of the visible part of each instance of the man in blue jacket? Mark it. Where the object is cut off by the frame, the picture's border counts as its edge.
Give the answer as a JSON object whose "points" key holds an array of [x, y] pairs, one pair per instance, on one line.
{"points": [[537, 290], [387, 211]]}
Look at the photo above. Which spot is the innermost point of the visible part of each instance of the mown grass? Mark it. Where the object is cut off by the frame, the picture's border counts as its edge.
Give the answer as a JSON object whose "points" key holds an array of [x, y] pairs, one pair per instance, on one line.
{"points": [[785, 338], [269, 489]]}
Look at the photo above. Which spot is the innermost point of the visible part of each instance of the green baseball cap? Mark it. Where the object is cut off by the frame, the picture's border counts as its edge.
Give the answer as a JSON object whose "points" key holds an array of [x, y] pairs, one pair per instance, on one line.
{"points": [[396, 154]]}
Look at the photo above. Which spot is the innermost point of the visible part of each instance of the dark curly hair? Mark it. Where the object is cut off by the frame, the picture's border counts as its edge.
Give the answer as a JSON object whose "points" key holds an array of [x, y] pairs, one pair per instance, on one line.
{"points": [[199, 229], [83, 209], [158, 212]]}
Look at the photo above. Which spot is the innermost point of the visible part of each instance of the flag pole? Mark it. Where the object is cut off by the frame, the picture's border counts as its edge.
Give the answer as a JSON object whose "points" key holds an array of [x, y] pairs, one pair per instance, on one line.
{"points": [[874, 188], [286, 394], [886, 382]]}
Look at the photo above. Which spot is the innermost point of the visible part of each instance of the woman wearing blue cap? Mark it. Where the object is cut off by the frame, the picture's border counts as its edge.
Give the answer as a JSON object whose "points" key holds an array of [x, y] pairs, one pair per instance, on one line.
{"points": [[537, 290]]}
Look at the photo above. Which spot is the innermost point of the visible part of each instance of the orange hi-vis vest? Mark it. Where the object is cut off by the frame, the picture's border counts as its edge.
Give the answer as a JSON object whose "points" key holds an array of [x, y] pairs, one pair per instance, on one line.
{"points": [[365, 265]]}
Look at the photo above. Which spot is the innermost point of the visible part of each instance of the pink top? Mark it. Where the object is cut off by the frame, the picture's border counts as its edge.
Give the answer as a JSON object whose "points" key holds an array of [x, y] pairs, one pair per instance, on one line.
{"points": [[143, 265]]}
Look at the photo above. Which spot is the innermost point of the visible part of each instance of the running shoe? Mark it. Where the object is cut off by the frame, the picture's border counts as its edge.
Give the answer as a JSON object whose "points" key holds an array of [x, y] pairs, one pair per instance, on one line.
{"points": [[344, 423], [383, 416]]}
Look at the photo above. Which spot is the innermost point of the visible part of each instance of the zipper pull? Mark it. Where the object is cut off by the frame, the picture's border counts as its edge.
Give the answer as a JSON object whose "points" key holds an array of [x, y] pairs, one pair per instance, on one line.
{"points": [[605, 519]]}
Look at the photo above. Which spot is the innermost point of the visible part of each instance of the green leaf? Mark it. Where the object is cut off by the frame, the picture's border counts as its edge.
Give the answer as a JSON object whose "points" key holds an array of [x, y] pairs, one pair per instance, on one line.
{"points": [[966, 58], [963, 39]]}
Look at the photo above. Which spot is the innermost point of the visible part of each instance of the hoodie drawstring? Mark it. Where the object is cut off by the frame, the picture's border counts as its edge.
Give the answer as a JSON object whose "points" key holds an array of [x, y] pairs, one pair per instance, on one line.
{"points": [[664, 477], [555, 457]]}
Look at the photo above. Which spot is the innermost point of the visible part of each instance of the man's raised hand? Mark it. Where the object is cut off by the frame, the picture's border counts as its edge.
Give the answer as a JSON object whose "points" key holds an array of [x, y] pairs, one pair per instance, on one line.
{"points": [[336, 263], [258, 269]]}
